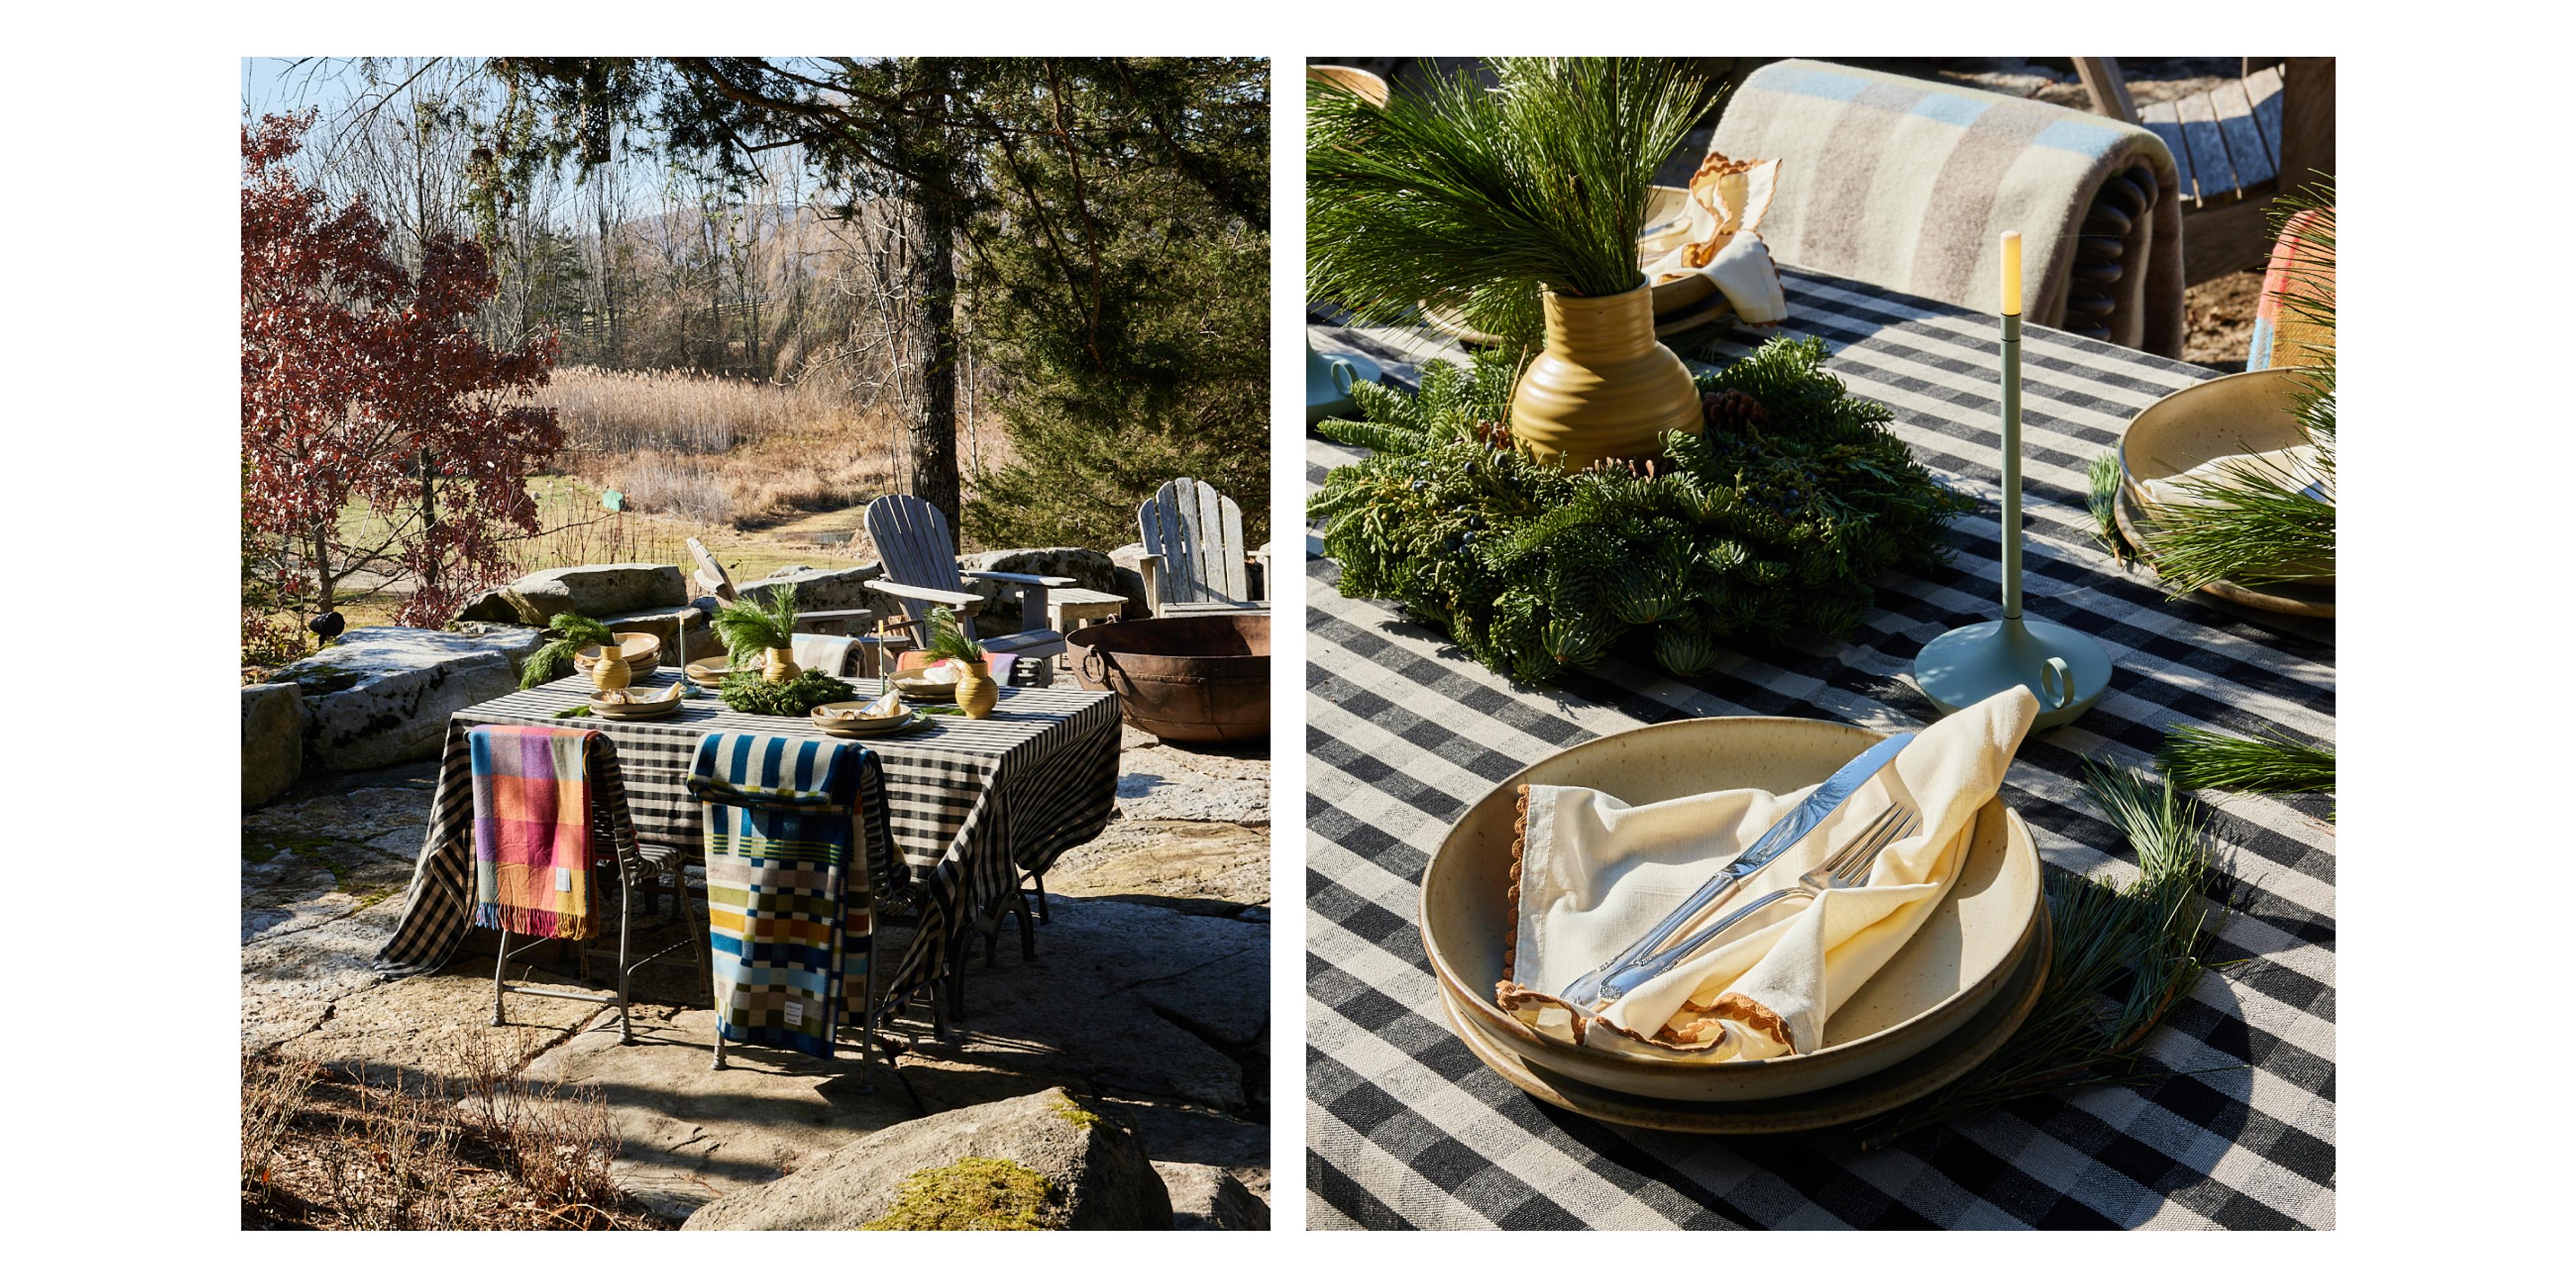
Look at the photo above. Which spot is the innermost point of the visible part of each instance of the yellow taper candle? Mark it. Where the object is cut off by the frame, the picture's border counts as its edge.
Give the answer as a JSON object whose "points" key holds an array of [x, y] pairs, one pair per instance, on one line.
{"points": [[2012, 274]]}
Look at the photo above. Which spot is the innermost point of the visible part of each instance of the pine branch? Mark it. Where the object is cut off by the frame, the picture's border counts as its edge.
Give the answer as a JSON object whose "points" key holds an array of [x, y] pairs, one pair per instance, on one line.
{"points": [[2270, 763], [2122, 957]]}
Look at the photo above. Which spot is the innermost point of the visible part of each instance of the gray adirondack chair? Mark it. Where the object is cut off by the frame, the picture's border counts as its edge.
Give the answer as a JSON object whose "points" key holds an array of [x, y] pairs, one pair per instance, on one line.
{"points": [[1194, 558], [921, 565]]}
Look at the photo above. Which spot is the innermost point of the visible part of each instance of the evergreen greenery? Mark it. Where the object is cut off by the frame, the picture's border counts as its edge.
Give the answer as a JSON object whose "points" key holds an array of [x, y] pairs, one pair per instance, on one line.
{"points": [[2122, 958], [745, 691], [567, 634], [2256, 525], [749, 624], [2270, 763], [2102, 481], [948, 640], [1775, 520], [1476, 199]]}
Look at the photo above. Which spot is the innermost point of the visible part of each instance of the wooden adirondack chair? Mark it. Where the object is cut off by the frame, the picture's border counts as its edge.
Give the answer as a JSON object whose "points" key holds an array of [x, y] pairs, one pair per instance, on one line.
{"points": [[2236, 147], [921, 565], [1194, 559], [718, 584]]}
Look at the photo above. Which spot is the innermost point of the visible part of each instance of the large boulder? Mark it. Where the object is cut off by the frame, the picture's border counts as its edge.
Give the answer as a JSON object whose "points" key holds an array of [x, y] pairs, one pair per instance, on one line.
{"points": [[1038, 1162], [596, 590], [1209, 1198], [669, 625], [272, 741], [491, 606], [381, 695], [1129, 564], [821, 589]]}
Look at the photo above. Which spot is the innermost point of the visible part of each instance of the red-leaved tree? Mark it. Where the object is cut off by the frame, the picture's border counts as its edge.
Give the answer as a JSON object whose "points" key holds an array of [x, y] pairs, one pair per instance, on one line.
{"points": [[378, 433]]}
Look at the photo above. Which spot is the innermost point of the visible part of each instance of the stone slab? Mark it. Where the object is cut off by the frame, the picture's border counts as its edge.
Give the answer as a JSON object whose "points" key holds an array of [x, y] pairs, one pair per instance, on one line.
{"points": [[1209, 1198], [382, 694], [1211, 868], [691, 1134], [430, 1024], [272, 741], [596, 590]]}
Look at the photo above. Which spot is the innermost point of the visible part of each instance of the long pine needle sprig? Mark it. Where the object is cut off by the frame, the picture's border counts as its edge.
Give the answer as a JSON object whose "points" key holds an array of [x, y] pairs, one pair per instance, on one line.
{"points": [[2197, 759], [2122, 957], [1477, 199]]}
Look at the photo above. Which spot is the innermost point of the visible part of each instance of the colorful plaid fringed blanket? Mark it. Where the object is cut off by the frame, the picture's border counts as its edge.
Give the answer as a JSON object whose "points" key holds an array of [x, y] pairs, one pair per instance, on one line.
{"points": [[788, 896], [542, 799]]}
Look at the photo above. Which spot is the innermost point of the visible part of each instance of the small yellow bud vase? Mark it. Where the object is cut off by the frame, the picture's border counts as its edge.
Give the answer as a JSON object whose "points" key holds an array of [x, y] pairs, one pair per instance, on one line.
{"points": [[610, 671], [781, 666], [977, 693]]}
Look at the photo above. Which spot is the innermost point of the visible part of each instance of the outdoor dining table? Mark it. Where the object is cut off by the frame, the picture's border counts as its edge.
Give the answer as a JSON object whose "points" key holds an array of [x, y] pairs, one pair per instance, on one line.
{"points": [[2235, 1128], [973, 805]]}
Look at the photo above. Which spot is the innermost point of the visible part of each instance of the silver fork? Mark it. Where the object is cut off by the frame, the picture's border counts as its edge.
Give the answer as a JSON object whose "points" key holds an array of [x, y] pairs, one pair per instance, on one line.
{"points": [[1844, 869]]}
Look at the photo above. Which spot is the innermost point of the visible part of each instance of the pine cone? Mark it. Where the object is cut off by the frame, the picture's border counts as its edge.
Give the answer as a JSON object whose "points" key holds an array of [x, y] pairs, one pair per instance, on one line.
{"points": [[1733, 411], [1496, 434]]}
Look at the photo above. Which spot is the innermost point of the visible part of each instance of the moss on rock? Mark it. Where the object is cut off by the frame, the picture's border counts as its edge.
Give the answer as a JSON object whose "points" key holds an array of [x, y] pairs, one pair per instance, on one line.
{"points": [[1076, 1114], [973, 1194]]}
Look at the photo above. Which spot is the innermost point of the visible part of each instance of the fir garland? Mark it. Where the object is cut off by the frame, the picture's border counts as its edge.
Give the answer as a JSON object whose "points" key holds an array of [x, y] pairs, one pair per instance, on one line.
{"points": [[1776, 519]]}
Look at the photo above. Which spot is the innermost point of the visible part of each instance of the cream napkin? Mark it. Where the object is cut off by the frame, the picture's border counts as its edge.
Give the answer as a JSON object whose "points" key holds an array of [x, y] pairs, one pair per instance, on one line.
{"points": [[2294, 465], [1727, 201], [1596, 872]]}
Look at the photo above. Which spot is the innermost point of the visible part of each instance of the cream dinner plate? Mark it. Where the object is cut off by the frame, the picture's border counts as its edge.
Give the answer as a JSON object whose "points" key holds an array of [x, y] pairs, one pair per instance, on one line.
{"points": [[1957, 962]]}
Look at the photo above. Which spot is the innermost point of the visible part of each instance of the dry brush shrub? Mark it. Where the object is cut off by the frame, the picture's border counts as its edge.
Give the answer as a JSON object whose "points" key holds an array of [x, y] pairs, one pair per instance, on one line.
{"points": [[489, 1148], [718, 450]]}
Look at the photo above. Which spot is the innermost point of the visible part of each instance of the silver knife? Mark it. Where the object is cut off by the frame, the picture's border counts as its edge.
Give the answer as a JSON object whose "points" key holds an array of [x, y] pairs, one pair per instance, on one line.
{"points": [[1653, 953]]}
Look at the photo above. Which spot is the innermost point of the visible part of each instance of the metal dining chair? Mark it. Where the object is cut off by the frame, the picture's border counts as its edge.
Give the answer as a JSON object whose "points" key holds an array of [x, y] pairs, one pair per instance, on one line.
{"points": [[650, 864]]}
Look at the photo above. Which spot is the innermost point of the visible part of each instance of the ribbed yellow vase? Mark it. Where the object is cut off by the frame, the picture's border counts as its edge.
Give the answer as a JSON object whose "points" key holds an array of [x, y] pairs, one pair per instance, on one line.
{"points": [[610, 671], [977, 693], [1603, 388], [780, 666]]}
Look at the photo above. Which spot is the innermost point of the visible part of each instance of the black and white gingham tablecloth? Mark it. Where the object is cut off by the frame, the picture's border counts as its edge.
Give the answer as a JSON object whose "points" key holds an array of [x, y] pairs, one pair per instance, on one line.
{"points": [[989, 798], [1405, 1128]]}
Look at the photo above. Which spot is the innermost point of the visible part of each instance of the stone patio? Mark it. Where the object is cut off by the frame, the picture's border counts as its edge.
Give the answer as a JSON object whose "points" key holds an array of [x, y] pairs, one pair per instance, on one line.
{"points": [[1150, 993]]}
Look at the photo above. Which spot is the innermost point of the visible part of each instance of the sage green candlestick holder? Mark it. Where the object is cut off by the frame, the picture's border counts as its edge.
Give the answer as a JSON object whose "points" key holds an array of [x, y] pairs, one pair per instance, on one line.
{"points": [[2062, 667], [1329, 381]]}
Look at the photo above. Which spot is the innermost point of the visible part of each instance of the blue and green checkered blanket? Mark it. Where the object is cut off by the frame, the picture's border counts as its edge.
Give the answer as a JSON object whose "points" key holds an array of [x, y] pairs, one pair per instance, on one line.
{"points": [[788, 899]]}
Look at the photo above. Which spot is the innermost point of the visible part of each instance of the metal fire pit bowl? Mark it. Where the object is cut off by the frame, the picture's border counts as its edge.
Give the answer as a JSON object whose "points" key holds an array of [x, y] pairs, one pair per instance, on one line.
{"points": [[1188, 679]]}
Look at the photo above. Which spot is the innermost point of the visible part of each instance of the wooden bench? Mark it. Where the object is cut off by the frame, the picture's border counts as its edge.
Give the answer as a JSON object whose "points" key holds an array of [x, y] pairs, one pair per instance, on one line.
{"points": [[2234, 147]]}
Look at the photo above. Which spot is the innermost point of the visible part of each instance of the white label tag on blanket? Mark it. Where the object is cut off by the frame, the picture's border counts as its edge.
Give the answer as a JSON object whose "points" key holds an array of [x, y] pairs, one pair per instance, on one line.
{"points": [[795, 1014], [563, 880]]}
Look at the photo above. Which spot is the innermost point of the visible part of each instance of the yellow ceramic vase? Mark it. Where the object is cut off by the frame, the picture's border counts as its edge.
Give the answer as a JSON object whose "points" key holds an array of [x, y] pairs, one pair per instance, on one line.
{"points": [[977, 693], [781, 666], [1603, 388], [610, 671]]}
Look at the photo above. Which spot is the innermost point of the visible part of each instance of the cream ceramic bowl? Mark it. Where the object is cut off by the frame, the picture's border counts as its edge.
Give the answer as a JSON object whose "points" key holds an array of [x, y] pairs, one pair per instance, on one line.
{"points": [[642, 651], [2250, 411], [845, 718], [915, 684], [1961, 957]]}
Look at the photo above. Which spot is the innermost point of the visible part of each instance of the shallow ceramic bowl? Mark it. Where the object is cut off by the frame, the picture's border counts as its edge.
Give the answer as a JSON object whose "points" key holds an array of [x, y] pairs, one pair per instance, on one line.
{"points": [[913, 685], [635, 710], [844, 717], [642, 651], [1938, 981], [2250, 411], [712, 671]]}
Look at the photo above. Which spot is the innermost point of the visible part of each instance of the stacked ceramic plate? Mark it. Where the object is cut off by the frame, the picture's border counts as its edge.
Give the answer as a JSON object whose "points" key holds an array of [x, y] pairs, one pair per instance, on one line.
{"points": [[642, 652], [709, 671], [1945, 1002], [636, 703], [915, 682], [850, 719], [2250, 411]]}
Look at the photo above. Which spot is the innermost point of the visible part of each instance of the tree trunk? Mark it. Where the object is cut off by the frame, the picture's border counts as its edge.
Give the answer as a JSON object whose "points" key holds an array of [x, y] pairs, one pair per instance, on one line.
{"points": [[934, 445]]}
